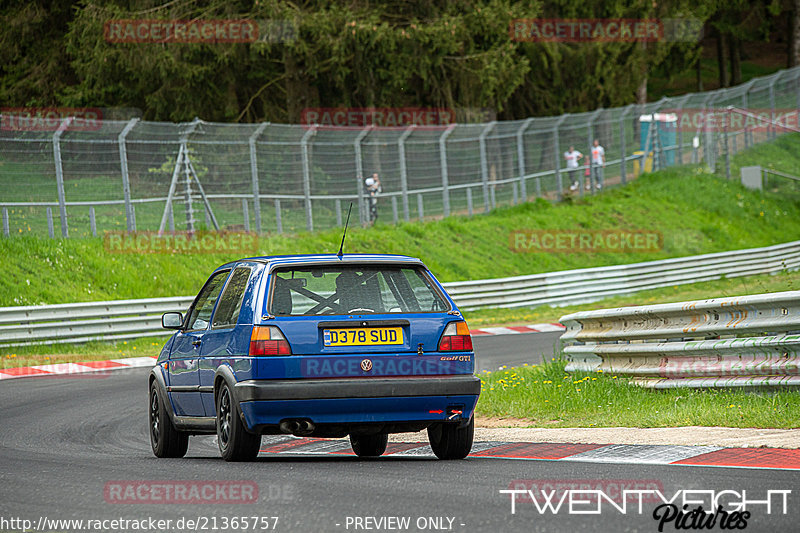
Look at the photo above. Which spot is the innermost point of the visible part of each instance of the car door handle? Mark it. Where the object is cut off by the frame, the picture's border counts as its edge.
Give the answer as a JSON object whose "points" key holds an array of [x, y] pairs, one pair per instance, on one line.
{"points": [[196, 342]]}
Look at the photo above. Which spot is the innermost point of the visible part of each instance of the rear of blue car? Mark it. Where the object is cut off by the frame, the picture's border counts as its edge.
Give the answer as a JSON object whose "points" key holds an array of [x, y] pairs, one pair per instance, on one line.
{"points": [[361, 346]]}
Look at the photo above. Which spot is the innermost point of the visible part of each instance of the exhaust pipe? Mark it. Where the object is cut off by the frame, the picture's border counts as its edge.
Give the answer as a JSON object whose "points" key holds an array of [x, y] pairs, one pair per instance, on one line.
{"points": [[297, 427], [289, 426]]}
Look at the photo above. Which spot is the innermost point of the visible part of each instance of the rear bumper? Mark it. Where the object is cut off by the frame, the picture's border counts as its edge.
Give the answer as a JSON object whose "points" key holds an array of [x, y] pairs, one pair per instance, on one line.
{"points": [[318, 389], [347, 402]]}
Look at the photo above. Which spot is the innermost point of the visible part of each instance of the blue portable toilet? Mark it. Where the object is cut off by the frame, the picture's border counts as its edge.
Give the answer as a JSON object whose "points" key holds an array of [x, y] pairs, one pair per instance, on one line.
{"points": [[667, 124]]}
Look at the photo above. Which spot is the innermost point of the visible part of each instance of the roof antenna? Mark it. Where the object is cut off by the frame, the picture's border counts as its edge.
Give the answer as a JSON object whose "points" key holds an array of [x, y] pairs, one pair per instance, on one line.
{"points": [[344, 233]]}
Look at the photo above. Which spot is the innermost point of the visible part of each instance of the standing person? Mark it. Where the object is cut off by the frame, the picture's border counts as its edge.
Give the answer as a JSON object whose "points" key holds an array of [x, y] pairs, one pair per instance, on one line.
{"points": [[572, 156], [373, 187], [598, 164]]}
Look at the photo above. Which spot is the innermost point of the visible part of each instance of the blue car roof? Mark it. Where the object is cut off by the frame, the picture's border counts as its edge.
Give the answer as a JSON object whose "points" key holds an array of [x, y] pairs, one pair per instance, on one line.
{"points": [[326, 258]]}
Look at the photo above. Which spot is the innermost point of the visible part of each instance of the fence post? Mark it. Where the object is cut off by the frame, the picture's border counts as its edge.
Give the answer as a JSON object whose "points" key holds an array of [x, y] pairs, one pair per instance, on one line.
{"points": [[92, 221], [521, 160], [278, 222], [469, 201], [172, 186], [484, 164], [307, 177], [727, 147], [679, 132], [394, 209], [797, 88], [401, 150], [443, 165], [189, 207], [337, 205], [419, 207], [362, 216], [745, 96], [123, 163], [708, 111], [50, 231], [772, 82], [254, 176], [593, 172], [62, 201], [245, 215], [6, 229], [557, 155], [623, 156]]}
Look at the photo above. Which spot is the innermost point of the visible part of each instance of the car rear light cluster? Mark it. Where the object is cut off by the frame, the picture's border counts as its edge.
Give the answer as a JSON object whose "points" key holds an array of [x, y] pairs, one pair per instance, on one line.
{"points": [[268, 340], [456, 338]]}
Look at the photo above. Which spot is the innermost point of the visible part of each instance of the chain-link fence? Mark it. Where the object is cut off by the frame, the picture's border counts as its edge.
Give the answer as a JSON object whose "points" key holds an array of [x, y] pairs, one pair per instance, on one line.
{"points": [[137, 175]]}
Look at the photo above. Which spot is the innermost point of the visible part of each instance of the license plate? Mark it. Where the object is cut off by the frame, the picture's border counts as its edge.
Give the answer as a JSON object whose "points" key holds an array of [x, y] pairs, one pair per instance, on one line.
{"points": [[362, 336]]}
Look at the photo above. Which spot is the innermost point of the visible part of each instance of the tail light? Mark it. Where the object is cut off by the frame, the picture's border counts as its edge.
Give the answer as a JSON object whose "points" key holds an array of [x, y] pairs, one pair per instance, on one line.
{"points": [[456, 338], [268, 340]]}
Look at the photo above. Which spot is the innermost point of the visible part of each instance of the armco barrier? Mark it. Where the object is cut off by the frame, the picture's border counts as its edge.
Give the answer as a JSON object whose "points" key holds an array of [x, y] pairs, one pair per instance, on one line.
{"points": [[744, 341], [571, 287], [80, 322]]}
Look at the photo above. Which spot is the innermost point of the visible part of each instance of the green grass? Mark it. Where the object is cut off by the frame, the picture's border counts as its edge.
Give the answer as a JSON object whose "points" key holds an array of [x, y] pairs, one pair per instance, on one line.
{"points": [[695, 211], [547, 396]]}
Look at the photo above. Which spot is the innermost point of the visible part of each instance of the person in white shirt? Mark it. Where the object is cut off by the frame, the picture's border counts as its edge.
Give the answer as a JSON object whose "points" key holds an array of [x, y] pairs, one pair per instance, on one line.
{"points": [[572, 156], [598, 164]]}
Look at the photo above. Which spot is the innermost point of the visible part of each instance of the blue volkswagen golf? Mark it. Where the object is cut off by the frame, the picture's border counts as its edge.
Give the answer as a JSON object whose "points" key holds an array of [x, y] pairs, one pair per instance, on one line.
{"points": [[316, 345]]}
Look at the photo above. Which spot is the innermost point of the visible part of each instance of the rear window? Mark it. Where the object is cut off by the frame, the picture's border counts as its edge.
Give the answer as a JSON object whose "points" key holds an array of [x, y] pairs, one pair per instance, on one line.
{"points": [[362, 289]]}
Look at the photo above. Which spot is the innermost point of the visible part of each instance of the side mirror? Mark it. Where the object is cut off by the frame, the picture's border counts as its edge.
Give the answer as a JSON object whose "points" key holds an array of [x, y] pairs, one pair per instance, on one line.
{"points": [[172, 321]]}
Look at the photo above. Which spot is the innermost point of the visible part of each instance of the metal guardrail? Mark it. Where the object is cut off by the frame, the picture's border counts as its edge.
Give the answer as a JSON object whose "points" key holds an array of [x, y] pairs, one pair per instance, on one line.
{"points": [[82, 322], [122, 319], [585, 285], [744, 341]]}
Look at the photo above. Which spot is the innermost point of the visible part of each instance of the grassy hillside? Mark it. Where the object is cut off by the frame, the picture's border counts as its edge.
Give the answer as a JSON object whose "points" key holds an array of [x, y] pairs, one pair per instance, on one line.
{"points": [[695, 211]]}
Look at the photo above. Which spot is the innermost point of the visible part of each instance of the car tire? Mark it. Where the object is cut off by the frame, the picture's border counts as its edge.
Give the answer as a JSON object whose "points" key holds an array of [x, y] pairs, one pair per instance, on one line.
{"points": [[235, 442], [165, 439], [369, 445], [449, 441]]}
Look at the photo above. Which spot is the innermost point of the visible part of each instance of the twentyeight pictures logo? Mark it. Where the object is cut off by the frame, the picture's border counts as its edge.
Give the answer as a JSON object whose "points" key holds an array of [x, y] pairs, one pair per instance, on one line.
{"points": [[682, 509]]}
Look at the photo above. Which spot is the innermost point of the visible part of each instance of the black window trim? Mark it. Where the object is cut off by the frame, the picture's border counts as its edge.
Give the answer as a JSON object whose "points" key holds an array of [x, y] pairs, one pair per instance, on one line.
{"points": [[185, 328], [399, 264], [227, 282]]}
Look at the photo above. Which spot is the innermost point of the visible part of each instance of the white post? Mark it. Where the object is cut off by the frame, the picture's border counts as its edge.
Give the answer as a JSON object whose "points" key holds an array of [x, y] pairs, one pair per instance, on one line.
{"points": [[443, 165], [62, 201], [485, 165]]}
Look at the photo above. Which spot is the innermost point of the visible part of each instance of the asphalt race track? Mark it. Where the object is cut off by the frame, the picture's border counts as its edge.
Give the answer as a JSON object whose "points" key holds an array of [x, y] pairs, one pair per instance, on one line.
{"points": [[492, 352], [66, 440]]}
